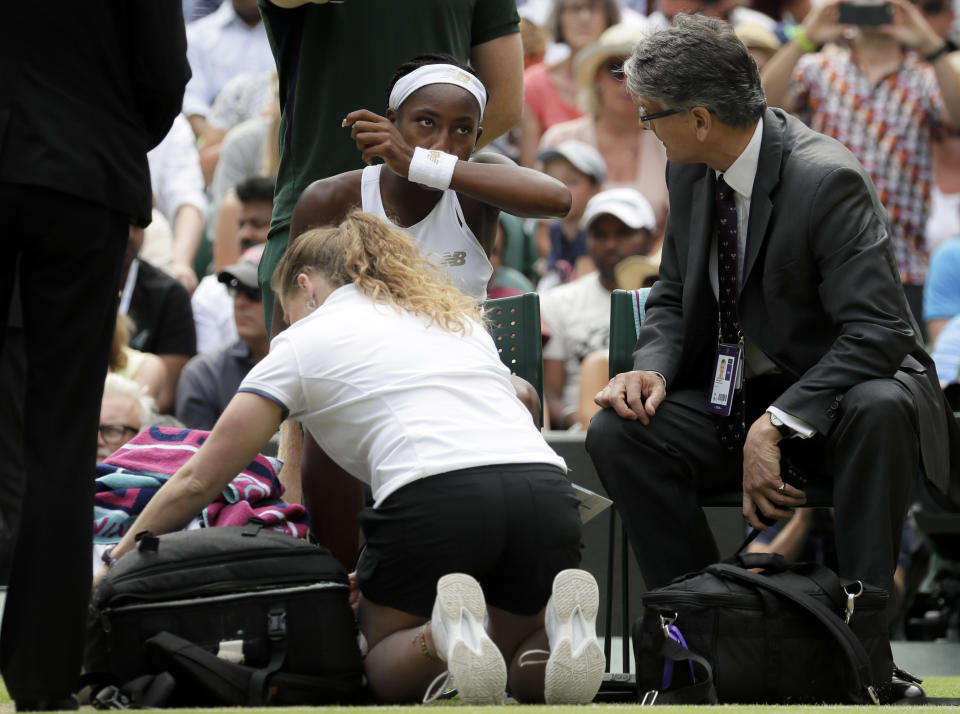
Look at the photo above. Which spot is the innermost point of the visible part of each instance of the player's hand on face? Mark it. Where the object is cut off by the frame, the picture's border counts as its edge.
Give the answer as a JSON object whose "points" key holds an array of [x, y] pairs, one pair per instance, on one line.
{"points": [[378, 137]]}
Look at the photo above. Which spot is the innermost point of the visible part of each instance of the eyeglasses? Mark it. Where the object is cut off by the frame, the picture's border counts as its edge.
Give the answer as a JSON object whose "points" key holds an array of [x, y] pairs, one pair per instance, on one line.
{"points": [[235, 287], [615, 69], [645, 118], [114, 433]]}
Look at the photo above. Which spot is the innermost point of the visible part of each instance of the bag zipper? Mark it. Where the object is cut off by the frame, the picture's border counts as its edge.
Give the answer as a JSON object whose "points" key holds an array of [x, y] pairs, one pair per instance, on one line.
{"points": [[197, 564], [704, 599], [107, 612], [664, 600]]}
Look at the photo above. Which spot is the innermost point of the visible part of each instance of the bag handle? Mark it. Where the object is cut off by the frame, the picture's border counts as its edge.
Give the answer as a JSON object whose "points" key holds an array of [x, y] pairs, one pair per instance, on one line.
{"points": [[703, 692], [825, 578], [852, 648]]}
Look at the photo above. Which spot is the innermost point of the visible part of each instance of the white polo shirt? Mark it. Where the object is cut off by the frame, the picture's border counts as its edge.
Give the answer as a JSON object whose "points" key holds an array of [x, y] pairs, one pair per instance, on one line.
{"points": [[392, 399]]}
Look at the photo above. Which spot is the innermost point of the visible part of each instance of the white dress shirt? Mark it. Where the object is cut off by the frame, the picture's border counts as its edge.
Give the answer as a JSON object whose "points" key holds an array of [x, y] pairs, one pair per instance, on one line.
{"points": [[175, 172], [219, 47]]}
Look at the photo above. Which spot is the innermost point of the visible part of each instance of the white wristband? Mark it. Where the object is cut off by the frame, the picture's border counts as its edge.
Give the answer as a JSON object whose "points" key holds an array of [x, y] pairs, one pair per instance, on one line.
{"points": [[431, 168]]}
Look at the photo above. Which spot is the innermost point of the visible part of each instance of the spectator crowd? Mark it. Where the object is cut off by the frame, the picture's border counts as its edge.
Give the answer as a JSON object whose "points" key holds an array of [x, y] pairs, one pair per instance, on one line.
{"points": [[214, 175]]}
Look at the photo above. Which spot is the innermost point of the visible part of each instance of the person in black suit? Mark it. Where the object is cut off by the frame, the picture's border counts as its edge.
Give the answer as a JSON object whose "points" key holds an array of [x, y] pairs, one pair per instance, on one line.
{"points": [[86, 89], [775, 236]]}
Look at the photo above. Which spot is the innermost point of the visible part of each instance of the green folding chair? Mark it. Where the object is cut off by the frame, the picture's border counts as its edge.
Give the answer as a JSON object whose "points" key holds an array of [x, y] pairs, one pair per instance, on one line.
{"points": [[514, 324], [627, 314]]}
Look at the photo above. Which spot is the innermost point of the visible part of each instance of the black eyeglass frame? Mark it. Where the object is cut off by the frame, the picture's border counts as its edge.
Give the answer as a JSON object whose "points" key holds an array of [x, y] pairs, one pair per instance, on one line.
{"points": [[646, 118], [123, 429]]}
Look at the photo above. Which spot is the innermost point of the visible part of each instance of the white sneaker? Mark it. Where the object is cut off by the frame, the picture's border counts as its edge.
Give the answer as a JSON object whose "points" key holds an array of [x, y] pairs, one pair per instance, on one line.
{"points": [[575, 667], [474, 663]]}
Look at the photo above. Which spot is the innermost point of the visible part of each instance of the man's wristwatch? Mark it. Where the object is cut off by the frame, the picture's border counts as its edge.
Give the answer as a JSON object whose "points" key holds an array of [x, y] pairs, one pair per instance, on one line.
{"points": [[107, 557], [947, 47], [785, 431]]}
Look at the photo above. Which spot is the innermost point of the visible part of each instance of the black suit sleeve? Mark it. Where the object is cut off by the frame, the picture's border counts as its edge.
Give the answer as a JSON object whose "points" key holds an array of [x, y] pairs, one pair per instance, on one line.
{"points": [[158, 62], [660, 342], [860, 292]]}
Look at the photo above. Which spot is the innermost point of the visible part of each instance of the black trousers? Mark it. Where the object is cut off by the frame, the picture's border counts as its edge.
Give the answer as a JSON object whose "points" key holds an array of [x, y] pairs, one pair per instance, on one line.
{"points": [[70, 254], [652, 473]]}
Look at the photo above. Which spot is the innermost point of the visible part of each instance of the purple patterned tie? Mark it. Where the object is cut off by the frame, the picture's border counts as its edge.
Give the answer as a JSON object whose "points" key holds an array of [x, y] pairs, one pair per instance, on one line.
{"points": [[731, 428]]}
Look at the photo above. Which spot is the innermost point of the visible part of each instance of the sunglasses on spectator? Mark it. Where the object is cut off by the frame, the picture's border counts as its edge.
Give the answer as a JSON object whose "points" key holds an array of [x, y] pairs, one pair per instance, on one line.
{"points": [[248, 243], [934, 7], [114, 433], [235, 287]]}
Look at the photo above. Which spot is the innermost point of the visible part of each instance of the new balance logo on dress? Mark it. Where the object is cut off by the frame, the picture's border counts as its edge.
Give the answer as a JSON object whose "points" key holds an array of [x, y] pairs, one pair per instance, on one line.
{"points": [[455, 259]]}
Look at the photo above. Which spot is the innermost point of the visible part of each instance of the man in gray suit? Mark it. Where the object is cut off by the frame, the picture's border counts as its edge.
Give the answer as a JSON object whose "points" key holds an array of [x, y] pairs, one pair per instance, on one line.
{"points": [[834, 375]]}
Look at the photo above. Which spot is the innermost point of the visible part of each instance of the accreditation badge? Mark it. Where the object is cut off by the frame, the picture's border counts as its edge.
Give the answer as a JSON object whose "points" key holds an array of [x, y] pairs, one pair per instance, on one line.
{"points": [[727, 378]]}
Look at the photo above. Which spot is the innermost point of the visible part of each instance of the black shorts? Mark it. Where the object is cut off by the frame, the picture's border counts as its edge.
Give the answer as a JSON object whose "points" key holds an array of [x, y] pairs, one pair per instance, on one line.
{"points": [[513, 527]]}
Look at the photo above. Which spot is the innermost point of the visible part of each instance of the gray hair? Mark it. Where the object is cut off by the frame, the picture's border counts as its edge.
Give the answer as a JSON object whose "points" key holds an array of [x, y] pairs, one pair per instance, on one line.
{"points": [[698, 62], [118, 385]]}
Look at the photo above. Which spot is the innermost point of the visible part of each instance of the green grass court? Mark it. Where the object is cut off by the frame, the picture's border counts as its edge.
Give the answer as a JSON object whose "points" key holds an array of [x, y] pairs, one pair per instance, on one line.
{"points": [[934, 686]]}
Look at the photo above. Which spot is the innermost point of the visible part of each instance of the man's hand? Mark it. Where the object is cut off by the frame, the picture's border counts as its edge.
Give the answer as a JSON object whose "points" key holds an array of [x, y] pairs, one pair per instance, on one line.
{"points": [[821, 23], [354, 598], [186, 276], [633, 395], [377, 136], [911, 28], [763, 489]]}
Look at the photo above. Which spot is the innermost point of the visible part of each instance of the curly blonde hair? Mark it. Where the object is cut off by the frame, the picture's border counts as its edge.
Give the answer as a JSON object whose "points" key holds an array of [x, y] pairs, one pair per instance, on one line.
{"points": [[384, 263]]}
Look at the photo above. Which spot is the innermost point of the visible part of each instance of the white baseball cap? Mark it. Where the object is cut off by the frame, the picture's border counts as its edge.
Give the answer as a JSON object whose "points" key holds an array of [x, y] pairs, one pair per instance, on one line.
{"points": [[627, 204], [584, 158]]}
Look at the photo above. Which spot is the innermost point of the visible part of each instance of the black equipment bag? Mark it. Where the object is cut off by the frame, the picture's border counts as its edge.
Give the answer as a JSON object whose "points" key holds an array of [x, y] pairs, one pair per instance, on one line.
{"points": [[792, 633], [265, 602]]}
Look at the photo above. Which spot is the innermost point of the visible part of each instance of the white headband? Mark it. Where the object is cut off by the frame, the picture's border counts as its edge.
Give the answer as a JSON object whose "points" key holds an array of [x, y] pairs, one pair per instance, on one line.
{"points": [[437, 74]]}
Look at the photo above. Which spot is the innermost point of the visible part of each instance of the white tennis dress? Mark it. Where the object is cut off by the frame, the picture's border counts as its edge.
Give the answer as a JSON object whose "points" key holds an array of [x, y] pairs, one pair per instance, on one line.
{"points": [[443, 235]]}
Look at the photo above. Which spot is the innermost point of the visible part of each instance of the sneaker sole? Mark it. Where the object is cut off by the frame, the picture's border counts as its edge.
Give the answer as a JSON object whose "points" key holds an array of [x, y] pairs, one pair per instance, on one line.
{"points": [[574, 676], [480, 675]]}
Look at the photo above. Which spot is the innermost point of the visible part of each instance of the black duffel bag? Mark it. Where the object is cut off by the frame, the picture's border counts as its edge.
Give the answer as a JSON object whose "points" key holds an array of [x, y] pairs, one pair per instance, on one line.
{"points": [[792, 633], [268, 609]]}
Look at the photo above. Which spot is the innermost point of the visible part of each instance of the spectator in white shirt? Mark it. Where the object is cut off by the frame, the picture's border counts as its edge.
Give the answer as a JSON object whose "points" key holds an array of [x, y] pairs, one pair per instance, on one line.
{"points": [[220, 46], [178, 190], [213, 309], [619, 222]]}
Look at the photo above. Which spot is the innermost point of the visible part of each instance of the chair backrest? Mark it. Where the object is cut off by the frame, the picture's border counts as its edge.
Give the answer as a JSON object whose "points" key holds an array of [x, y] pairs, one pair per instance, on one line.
{"points": [[519, 247], [514, 324], [508, 277], [627, 312]]}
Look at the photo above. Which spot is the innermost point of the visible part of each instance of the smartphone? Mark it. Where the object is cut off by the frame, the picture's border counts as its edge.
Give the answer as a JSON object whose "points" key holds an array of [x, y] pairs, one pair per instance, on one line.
{"points": [[865, 13]]}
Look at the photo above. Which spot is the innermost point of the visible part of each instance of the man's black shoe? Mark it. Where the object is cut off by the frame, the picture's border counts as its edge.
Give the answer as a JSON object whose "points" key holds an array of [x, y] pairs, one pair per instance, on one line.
{"points": [[65, 704], [906, 690]]}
